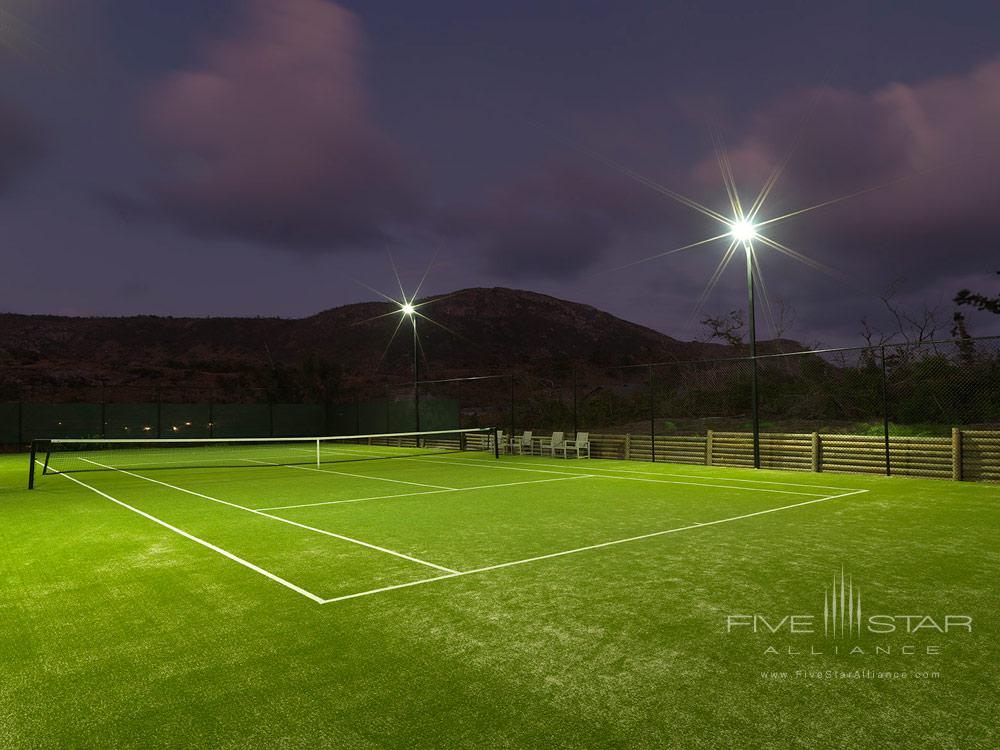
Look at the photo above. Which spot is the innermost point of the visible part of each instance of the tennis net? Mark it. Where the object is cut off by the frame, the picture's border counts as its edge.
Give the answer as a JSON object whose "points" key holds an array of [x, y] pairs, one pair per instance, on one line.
{"points": [[69, 455]]}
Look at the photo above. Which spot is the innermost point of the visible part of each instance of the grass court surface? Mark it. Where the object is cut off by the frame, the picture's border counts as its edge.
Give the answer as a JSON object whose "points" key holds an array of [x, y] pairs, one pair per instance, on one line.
{"points": [[463, 601]]}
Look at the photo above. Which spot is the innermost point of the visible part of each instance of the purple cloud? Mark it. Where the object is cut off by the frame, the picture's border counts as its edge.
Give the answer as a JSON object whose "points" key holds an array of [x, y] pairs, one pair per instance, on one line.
{"points": [[558, 222], [271, 139], [934, 142]]}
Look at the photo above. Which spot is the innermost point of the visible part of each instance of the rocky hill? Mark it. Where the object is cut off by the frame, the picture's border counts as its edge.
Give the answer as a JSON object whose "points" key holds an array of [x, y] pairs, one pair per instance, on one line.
{"points": [[474, 331]]}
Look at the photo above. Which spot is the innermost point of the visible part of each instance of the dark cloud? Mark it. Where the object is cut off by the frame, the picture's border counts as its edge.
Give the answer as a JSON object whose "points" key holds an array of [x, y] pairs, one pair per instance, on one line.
{"points": [[935, 143], [271, 139], [21, 145], [558, 222]]}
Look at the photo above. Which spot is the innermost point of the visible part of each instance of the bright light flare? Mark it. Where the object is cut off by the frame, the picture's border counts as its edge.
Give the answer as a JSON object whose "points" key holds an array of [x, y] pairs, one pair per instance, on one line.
{"points": [[407, 309], [742, 231]]}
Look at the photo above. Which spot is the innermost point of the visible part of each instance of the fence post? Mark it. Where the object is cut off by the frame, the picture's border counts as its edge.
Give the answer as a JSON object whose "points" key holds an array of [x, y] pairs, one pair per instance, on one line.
{"points": [[20, 423], [708, 448], [574, 404], [512, 408], [652, 419], [885, 413], [956, 454], [628, 447], [817, 460]]}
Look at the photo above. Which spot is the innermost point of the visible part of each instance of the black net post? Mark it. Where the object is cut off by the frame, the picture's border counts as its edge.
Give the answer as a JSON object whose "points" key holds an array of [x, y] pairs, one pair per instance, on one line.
{"points": [[31, 466]]}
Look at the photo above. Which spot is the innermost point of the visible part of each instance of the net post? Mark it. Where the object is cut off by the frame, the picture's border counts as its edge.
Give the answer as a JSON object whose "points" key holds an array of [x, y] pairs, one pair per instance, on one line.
{"points": [[496, 444], [36, 447], [31, 466]]}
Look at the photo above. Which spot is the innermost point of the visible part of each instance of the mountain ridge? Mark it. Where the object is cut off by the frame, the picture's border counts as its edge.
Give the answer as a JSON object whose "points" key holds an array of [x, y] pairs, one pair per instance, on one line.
{"points": [[469, 331]]}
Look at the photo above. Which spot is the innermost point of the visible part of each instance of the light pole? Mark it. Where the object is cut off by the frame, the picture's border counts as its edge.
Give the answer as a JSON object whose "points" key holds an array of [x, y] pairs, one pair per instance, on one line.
{"points": [[409, 312], [743, 231]]}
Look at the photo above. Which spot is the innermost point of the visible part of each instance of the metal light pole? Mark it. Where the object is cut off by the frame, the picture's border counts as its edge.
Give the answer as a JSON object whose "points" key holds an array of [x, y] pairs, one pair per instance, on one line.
{"points": [[751, 321], [416, 376], [409, 312], [745, 232]]}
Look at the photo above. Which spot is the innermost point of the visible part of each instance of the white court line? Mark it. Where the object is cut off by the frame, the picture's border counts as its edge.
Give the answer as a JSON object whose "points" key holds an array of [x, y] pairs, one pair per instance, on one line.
{"points": [[590, 547], [494, 465], [430, 492], [202, 542], [346, 474], [279, 518], [467, 459], [693, 476]]}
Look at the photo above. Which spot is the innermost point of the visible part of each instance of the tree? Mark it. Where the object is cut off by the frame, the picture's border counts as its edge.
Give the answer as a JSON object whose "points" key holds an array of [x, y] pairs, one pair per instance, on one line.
{"points": [[978, 301], [981, 302], [728, 328], [909, 326]]}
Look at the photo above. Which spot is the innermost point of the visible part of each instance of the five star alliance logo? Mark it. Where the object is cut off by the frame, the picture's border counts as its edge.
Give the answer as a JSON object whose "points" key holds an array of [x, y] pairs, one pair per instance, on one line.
{"points": [[842, 608], [842, 618]]}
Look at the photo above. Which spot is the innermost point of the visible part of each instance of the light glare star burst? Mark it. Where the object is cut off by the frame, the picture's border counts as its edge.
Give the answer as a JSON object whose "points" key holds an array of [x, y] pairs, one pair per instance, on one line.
{"points": [[407, 308], [742, 227]]}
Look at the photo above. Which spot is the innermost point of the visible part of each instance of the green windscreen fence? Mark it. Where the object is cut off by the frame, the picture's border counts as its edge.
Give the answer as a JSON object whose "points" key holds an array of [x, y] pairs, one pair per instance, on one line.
{"points": [[241, 420], [10, 424], [298, 420], [373, 416], [61, 421], [400, 417], [441, 414], [343, 419], [130, 420], [185, 420], [21, 423]]}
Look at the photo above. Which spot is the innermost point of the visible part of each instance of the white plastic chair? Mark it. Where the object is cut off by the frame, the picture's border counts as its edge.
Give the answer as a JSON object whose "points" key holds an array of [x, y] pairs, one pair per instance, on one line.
{"points": [[522, 444], [551, 444], [580, 443]]}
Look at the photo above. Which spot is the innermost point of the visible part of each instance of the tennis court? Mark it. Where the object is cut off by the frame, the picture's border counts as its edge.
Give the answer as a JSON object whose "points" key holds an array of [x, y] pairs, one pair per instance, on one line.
{"points": [[335, 519], [425, 593]]}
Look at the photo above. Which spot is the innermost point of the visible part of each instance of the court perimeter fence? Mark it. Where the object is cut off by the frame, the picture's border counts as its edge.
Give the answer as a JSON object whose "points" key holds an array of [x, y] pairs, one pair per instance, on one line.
{"points": [[925, 409], [22, 422]]}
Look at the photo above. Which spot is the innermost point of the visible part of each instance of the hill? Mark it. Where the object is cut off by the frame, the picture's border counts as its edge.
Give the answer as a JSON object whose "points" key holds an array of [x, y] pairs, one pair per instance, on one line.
{"points": [[474, 331]]}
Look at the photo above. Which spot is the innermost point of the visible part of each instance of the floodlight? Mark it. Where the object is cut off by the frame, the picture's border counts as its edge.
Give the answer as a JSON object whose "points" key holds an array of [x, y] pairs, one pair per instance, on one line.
{"points": [[742, 231], [407, 309]]}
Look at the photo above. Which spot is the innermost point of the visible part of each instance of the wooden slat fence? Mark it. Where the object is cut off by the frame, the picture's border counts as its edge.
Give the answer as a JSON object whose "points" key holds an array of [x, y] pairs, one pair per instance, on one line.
{"points": [[967, 455]]}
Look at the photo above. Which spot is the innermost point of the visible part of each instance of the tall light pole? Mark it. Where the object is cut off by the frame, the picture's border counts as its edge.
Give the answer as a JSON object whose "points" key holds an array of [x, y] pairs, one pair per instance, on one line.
{"points": [[743, 231], [408, 311]]}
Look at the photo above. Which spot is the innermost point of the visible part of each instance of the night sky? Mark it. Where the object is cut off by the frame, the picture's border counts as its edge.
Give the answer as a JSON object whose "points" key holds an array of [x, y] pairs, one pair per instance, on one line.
{"points": [[251, 157]]}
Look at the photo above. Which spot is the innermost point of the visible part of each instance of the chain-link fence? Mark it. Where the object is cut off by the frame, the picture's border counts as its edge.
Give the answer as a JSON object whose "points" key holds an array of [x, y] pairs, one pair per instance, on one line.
{"points": [[928, 408], [924, 409]]}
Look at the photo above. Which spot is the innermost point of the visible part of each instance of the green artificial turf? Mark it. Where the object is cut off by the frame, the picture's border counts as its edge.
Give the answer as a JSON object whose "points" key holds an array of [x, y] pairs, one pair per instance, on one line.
{"points": [[120, 632]]}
